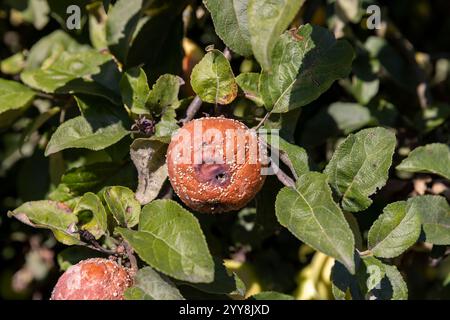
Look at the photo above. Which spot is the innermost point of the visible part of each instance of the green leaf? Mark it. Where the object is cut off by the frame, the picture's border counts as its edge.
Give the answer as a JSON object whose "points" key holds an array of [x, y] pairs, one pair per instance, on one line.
{"points": [[32, 11], [160, 101], [309, 212], [97, 25], [446, 281], [134, 89], [171, 241], [336, 119], [354, 226], [48, 48], [122, 20], [398, 284], [343, 284], [433, 158], [213, 80], [123, 205], [373, 280], [52, 215], [67, 67], [434, 213], [98, 222], [426, 120], [164, 93], [285, 122], [100, 126], [14, 64], [79, 72], [360, 166], [272, 295], [231, 24], [364, 83], [393, 63], [149, 158], [224, 282], [384, 113], [304, 65], [267, 20], [395, 230], [297, 155], [149, 285], [349, 116], [364, 91], [166, 126], [249, 83], [374, 271], [348, 10], [96, 176], [14, 95]]}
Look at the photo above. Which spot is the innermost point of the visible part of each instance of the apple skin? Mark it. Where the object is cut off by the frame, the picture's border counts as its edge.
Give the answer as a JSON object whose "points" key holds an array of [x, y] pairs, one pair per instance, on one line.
{"points": [[93, 279], [208, 186]]}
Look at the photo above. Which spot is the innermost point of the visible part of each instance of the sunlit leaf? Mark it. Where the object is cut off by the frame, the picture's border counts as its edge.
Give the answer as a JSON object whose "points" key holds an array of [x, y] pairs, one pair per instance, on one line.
{"points": [[91, 203], [213, 80], [434, 213], [267, 20], [305, 63], [310, 213], [149, 285], [100, 126], [170, 240], [359, 167], [432, 158], [149, 159], [49, 215], [231, 23], [123, 205], [395, 230]]}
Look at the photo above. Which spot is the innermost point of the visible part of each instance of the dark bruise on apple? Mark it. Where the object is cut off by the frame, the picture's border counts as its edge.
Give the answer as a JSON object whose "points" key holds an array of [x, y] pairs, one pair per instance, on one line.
{"points": [[213, 187]]}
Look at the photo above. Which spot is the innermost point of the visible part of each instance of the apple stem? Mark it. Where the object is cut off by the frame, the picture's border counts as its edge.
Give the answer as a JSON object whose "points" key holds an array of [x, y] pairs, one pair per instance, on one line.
{"points": [[130, 254]]}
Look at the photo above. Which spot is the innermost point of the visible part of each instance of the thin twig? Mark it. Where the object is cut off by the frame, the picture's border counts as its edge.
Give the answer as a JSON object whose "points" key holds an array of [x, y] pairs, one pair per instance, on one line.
{"points": [[192, 109], [98, 248], [285, 159], [89, 240], [43, 95], [227, 53], [364, 253], [283, 177], [263, 120], [66, 106], [282, 156], [62, 116], [130, 255]]}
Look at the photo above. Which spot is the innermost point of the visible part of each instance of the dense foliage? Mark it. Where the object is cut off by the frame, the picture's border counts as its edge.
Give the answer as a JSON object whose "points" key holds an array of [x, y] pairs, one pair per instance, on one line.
{"points": [[359, 210]]}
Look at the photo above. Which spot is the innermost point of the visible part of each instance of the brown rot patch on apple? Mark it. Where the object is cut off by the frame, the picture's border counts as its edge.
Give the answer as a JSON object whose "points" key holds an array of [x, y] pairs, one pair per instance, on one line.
{"points": [[216, 174], [226, 177]]}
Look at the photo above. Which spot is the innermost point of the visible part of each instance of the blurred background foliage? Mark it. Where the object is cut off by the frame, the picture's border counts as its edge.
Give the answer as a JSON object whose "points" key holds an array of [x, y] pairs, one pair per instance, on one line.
{"points": [[400, 79]]}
